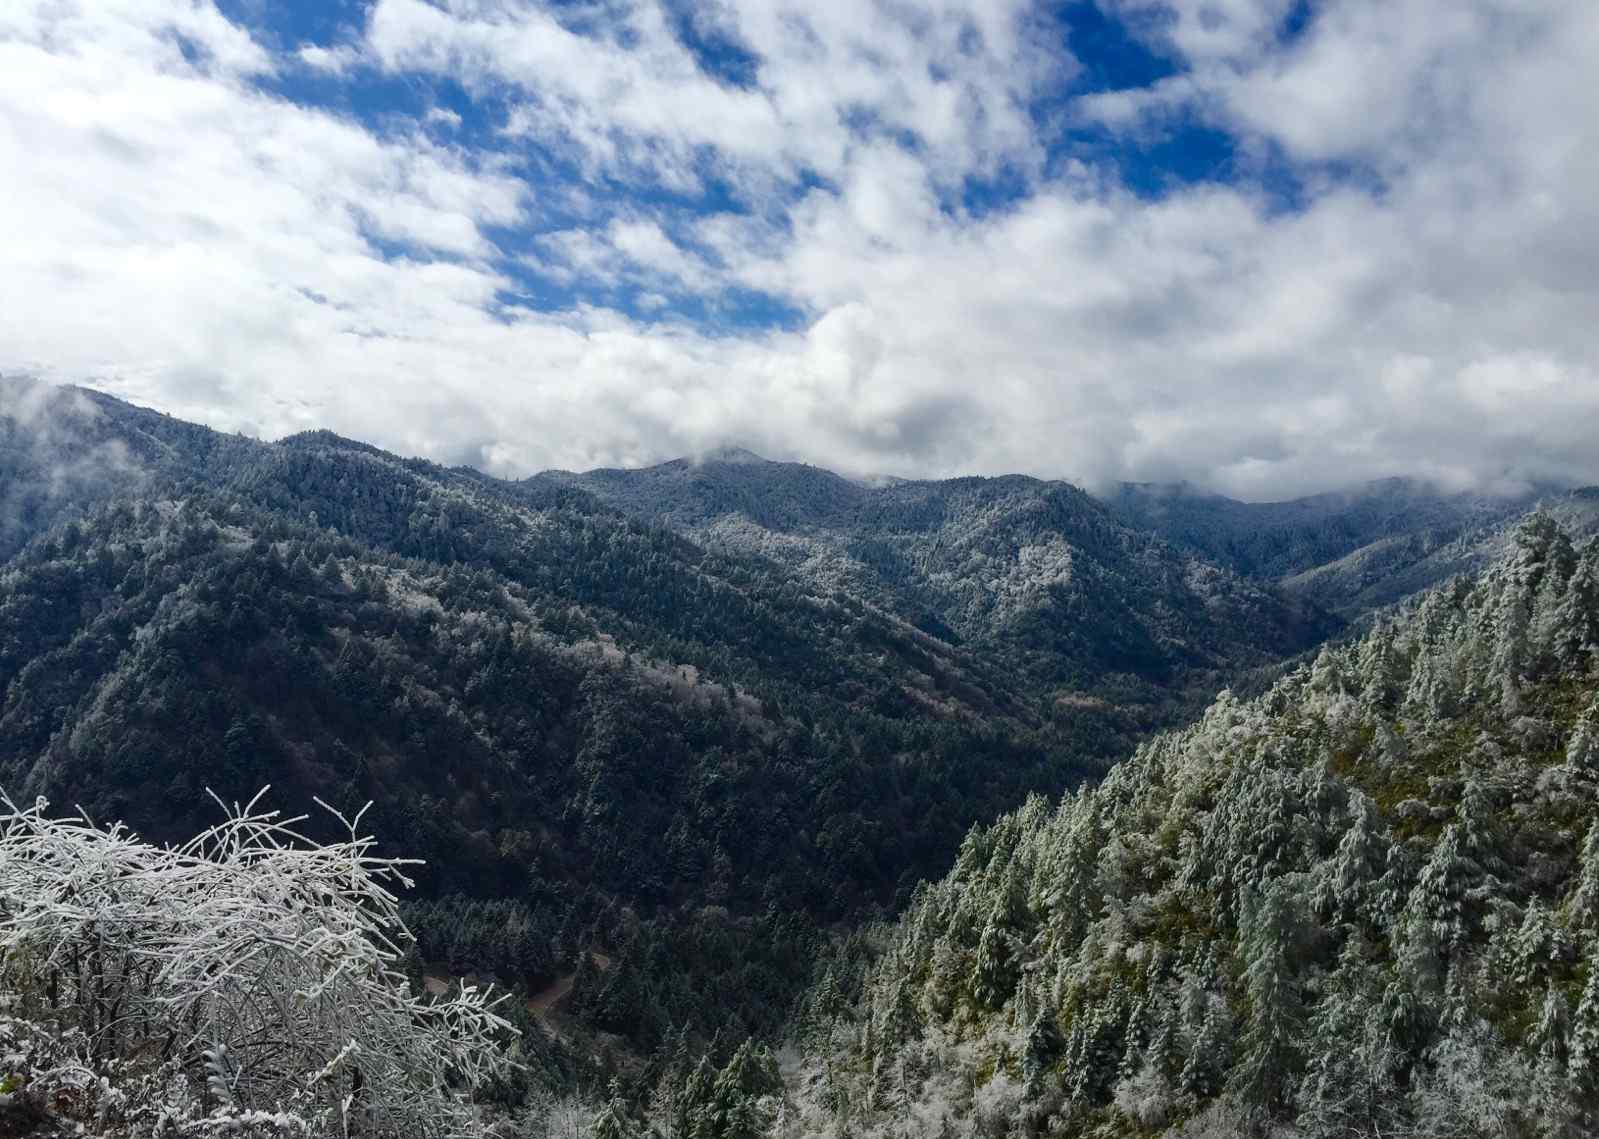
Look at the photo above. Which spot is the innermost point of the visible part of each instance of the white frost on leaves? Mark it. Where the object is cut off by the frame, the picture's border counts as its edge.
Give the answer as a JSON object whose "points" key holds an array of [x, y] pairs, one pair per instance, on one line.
{"points": [[246, 982]]}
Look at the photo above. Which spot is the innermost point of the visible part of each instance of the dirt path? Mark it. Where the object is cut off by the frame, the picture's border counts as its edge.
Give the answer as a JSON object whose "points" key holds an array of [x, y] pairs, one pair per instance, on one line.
{"points": [[541, 1002]]}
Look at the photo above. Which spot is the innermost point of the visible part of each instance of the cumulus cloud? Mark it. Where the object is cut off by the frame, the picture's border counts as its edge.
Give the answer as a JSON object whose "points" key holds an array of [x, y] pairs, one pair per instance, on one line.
{"points": [[337, 60], [630, 95], [188, 235]]}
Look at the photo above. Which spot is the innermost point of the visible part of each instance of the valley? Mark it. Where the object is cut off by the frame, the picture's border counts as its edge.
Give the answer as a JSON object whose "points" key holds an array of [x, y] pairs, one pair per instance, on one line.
{"points": [[683, 747]]}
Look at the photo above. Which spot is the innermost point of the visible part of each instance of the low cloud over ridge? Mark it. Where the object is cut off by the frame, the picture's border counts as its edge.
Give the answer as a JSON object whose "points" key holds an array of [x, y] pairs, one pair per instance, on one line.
{"points": [[893, 238]]}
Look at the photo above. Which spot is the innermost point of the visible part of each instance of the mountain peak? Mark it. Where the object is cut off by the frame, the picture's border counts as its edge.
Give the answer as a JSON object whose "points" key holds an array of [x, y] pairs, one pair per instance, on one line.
{"points": [[732, 455]]}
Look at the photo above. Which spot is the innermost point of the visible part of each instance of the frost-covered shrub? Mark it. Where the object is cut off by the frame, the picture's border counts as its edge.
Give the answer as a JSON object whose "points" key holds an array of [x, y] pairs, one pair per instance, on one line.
{"points": [[1148, 1098], [246, 982]]}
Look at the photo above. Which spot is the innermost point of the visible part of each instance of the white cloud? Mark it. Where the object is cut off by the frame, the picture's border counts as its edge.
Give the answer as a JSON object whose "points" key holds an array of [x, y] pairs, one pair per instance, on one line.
{"points": [[189, 241], [631, 96], [160, 32], [337, 60], [1205, 31]]}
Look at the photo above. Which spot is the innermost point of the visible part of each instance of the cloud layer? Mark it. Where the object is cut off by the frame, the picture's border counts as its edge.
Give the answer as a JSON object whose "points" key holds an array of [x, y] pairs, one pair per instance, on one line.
{"points": [[886, 237]]}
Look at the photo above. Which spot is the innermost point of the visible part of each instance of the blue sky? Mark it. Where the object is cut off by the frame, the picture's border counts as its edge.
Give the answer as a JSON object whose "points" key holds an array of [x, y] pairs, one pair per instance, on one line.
{"points": [[1270, 246], [1084, 48]]}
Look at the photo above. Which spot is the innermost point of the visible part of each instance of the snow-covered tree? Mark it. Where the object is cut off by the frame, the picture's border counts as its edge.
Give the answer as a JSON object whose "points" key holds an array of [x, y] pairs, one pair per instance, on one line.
{"points": [[1269, 1052], [1582, 908], [1348, 907], [1350, 1085], [1541, 944], [1584, 1046], [615, 1119], [1208, 1051], [1582, 749], [1346, 888], [250, 974]]}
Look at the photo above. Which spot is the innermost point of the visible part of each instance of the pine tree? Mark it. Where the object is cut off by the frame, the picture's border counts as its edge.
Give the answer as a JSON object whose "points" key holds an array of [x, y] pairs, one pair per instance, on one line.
{"points": [[1071, 869], [1584, 1040], [1551, 1033], [738, 1105], [1582, 906], [1575, 625], [1350, 1086], [689, 1107], [1208, 1051], [1161, 1054], [998, 954], [1454, 885], [1270, 1046], [1540, 944], [1346, 885], [1135, 1039], [614, 1120], [1381, 671], [1582, 750]]}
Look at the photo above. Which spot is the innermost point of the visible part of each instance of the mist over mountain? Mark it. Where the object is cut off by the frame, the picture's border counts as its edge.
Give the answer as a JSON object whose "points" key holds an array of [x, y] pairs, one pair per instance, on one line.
{"points": [[1356, 550], [605, 723], [1038, 573], [675, 742]]}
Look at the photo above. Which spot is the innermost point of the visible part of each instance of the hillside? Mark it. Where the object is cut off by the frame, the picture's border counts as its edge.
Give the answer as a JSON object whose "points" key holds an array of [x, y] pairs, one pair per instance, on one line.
{"points": [[664, 735], [1350, 552], [1366, 903], [682, 717], [599, 735], [1037, 574], [1390, 569]]}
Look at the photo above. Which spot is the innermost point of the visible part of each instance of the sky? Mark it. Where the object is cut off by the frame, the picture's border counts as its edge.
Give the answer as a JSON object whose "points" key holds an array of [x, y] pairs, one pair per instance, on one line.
{"points": [[1270, 247]]}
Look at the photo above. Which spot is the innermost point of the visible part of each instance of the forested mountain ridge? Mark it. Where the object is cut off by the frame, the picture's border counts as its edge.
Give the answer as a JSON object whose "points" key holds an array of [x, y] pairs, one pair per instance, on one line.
{"points": [[1365, 903], [594, 724], [1350, 551], [1036, 573], [652, 749]]}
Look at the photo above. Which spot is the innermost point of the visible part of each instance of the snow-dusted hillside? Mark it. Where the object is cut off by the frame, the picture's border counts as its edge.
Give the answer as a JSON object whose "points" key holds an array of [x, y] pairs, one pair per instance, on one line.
{"points": [[1366, 903]]}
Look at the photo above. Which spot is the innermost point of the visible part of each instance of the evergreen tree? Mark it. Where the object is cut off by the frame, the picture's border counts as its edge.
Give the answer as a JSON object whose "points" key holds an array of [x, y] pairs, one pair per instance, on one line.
{"points": [[1346, 890], [1269, 1053], [1208, 1053], [999, 947], [1584, 1039], [1582, 750], [614, 1120], [1582, 906], [1540, 945], [1351, 1084]]}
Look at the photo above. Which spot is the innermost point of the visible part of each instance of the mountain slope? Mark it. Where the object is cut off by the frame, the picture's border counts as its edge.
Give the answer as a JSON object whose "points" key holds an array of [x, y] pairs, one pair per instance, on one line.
{"points": [[1036, 573], [595, 721], [1366, 903], [1389, 569], [1272, 540], [1350, 552]]}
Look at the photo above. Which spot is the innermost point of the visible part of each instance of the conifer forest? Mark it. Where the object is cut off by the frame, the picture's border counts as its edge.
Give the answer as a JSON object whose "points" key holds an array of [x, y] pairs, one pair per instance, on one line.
{"points": [[353, 795]]}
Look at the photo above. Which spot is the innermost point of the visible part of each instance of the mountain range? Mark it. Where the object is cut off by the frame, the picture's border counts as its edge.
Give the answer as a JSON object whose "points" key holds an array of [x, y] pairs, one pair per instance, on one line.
{"points": [[1037, 574], [1355, 550], [605, 723], [666, 736], [1365, 903]]}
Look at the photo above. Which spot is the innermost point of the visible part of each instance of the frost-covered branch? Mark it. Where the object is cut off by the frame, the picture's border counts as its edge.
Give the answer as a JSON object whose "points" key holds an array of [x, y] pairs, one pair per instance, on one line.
{"points": [[262, 967]]}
